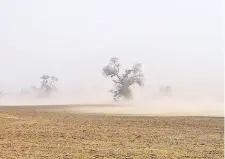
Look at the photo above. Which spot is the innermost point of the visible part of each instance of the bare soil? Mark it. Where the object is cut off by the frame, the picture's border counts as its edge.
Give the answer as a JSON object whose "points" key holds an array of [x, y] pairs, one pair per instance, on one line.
{"points": [[30, 132]]}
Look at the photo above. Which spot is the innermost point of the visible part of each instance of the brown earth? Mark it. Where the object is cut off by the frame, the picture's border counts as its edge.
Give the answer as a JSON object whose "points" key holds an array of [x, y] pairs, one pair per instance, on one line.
{"points": [[28, 132]]}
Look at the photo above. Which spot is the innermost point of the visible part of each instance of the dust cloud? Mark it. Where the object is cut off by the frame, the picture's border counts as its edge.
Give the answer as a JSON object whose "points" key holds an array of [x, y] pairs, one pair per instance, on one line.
{"points": [[163, 107], [144, 104]]}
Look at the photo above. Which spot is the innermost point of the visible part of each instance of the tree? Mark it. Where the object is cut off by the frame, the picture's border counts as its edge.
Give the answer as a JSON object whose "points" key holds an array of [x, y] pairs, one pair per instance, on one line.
{"points": [[47, 84], [166, 90], [1, 94], [123, 82]]}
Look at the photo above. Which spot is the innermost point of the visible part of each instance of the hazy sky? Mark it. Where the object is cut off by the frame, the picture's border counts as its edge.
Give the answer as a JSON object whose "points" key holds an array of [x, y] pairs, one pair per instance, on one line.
{"points": [[179, 42]]}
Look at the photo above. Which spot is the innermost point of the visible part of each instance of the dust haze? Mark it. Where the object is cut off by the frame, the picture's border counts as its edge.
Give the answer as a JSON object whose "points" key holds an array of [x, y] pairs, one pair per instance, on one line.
{"points": [[145, 104], [179, 43]]}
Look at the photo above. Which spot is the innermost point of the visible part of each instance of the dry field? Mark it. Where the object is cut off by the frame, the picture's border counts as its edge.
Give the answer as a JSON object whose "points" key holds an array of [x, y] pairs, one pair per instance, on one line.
{"points": [[28, 132]]}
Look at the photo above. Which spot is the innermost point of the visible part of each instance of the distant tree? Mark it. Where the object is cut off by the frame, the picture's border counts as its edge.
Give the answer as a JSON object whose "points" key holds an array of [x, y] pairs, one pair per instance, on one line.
{"points": [[34, 89], [166, 90], [31, 90], [123, 81], [47, 84], [1, 94]]}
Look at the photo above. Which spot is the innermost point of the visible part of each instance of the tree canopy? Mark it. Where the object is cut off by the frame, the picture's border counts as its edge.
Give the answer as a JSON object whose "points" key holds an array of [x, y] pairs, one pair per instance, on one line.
{"points": [[123, 81]]}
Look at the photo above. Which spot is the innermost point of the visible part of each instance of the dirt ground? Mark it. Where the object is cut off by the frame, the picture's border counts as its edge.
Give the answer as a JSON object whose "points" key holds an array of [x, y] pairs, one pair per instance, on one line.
{"points": [[27, 132]]}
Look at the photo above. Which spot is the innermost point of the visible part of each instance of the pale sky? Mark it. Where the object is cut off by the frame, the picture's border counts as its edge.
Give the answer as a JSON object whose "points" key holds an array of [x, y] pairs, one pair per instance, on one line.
{"points": [[178, 42]]}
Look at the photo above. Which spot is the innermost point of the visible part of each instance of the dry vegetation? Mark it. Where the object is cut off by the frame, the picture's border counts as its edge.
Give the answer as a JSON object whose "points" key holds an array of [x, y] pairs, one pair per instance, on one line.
{"points": [[31, 133]]}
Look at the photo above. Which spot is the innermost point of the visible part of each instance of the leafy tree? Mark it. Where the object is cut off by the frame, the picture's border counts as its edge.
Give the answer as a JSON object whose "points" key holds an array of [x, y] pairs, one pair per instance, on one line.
{"points": [[48, 83], [123, 81]]}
